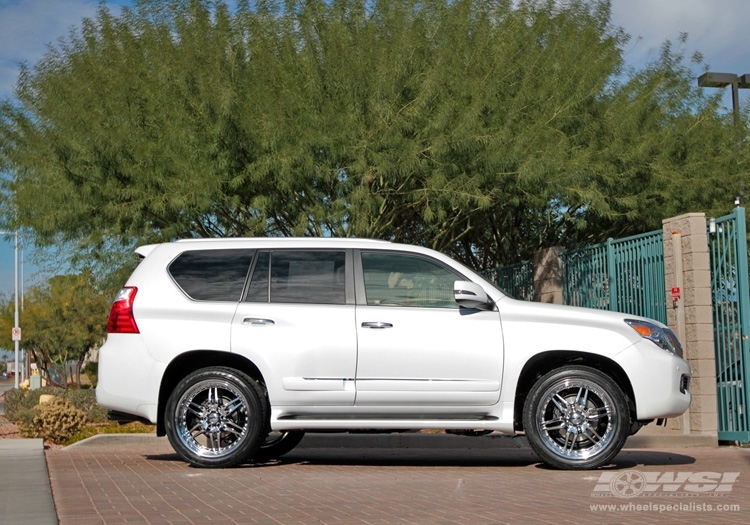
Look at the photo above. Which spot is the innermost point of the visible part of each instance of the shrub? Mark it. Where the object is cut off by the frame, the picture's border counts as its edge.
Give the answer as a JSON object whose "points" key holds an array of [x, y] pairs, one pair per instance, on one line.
{"points": [[25, 422], [21, 399], [16, 401], [55, 421], [85, 400], [92, 371]]}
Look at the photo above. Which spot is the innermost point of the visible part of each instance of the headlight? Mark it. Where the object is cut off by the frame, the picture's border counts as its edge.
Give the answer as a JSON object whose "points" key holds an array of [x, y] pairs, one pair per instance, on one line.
{"points": [[663, 337]]}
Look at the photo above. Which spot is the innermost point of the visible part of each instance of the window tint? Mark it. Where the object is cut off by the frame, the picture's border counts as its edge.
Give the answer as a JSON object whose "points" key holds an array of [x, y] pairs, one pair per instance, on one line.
{"points": [[298, 276], [212, 275], [394, 279]]}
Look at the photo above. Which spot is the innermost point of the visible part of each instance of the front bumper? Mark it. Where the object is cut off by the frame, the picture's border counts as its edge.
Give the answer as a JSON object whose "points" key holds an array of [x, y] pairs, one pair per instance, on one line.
{"points": [[660, 380]]}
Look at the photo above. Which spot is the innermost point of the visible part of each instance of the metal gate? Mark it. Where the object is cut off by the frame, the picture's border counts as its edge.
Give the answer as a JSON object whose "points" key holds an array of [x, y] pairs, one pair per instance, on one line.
{"points": [[727, 241], [623, 275]]}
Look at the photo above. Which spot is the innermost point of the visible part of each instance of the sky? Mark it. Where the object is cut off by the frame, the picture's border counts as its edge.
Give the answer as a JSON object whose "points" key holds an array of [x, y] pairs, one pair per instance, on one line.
{"points": [[716, 28]]}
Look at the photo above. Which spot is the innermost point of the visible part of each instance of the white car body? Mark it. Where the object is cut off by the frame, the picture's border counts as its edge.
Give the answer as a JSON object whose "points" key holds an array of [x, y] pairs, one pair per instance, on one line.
{"points": [[356, 366]]}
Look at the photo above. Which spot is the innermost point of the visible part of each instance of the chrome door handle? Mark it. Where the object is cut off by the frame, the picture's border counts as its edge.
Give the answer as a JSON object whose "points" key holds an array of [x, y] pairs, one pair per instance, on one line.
{"points": [[377, 324], [257, 321]]}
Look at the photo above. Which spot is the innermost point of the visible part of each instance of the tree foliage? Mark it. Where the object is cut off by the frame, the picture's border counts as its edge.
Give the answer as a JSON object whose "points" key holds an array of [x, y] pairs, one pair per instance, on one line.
{"points": [[62, 321], [484, 129]]}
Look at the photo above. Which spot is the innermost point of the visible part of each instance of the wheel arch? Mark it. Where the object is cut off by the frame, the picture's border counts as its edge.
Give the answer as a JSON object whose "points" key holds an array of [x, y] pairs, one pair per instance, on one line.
{"points": [[189, 362], [545, 362]]}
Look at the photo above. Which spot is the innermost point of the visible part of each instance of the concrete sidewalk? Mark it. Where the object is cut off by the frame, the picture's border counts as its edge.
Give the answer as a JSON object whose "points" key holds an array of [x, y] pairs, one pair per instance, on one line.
{"points": [[25, 493]]}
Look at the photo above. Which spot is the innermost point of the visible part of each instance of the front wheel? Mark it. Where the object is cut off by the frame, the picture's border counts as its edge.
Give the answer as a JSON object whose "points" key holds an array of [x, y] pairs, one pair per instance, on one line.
{"points": [[576, 418], [215, 416]]}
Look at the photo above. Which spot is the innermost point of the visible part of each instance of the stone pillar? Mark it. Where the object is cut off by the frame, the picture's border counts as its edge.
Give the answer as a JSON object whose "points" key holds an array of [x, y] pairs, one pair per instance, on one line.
{"points": [[548, 276], [687, 267]]}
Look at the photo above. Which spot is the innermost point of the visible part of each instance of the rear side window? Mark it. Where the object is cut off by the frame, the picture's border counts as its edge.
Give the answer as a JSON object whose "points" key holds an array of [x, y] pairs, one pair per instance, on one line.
{"points": [[212, 275], [299, 276]]}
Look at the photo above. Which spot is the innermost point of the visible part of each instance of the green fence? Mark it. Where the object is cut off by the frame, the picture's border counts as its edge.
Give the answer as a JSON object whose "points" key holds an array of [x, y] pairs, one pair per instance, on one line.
{"points": [[624, 275], [727, 241], [515, 279]]}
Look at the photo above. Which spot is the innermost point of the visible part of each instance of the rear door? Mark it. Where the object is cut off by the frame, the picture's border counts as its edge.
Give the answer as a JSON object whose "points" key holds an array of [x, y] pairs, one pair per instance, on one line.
{"points": [[296, 322]]}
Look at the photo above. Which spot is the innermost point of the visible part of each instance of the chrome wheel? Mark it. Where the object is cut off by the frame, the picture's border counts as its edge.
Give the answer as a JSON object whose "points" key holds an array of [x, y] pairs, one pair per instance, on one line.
{"points": [[214, 416], [576, 418]]}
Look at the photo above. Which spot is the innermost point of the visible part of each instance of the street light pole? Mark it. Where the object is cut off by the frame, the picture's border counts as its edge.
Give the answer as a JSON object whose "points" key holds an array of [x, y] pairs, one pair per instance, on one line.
{"points": [[722, 80], [16, 339]]}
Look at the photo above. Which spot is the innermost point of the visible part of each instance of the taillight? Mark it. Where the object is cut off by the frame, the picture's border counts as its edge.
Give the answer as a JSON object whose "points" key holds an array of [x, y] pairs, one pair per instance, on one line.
{"points": [[121, 320]]}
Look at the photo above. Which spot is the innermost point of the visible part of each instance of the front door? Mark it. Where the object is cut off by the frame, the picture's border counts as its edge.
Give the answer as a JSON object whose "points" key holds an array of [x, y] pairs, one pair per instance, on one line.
{"points": [[415, 345]]}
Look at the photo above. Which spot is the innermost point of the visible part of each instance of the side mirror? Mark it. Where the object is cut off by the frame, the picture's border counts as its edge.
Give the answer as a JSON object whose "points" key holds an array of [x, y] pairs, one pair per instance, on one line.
{"points": [[470, 295]]}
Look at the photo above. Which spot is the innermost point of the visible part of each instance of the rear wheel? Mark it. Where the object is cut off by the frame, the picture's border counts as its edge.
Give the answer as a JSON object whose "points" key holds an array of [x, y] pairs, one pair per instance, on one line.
{"points": [[576, 418], [277, 444], [215, 416]]}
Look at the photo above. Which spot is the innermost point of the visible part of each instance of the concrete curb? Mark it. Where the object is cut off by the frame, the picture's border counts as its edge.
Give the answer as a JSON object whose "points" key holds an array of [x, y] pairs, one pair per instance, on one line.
{"points": [[125, 440]]}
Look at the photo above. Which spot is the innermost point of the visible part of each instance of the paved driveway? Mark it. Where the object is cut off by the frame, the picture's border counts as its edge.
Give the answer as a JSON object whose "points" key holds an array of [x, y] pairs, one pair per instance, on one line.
{"points": [[140, 480]]}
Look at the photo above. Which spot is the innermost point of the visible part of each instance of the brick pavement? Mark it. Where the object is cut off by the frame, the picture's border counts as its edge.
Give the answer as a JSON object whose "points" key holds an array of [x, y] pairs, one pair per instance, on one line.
{"points": [[143, 481]]}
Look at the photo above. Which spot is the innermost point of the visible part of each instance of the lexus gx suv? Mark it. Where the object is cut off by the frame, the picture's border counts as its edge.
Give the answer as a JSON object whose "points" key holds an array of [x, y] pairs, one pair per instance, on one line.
{"points": [[235, 348]]}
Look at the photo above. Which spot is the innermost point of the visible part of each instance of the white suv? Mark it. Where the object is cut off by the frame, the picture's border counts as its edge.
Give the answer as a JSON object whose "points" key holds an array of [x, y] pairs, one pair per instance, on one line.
{"points": [[236, 347]]}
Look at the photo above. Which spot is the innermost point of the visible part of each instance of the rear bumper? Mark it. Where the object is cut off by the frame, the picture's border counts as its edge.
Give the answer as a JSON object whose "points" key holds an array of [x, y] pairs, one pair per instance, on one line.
{"points": [[129, 377]]}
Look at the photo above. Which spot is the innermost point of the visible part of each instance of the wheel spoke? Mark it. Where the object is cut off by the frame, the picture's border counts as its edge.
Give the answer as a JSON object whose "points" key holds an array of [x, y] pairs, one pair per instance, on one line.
{"points": [[233, 405], [560, 402], [215, 440], [197, 428], [597, 413], [233, 427], [595, 438], [569, 438], [213, 395], [195, 408], [554, 424]]}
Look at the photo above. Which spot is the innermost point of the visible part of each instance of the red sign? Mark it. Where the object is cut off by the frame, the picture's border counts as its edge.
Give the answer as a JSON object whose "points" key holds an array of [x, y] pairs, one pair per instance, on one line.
{"points": [[15, 333], [675, 293]]}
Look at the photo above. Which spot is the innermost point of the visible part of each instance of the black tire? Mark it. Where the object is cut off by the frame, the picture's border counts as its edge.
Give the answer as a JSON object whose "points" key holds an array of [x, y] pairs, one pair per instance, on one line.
{"points": [[215, 417], [576, 418], [276, 444]]}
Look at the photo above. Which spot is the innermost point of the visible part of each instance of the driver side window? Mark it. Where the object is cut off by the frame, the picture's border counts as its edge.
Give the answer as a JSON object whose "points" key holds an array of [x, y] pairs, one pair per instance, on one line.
{"points": [[396, 279]]}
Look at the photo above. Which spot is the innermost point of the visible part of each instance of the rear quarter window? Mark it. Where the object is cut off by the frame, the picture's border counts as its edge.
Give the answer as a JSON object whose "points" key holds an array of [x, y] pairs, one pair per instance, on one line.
{"points": [[212, 275]]}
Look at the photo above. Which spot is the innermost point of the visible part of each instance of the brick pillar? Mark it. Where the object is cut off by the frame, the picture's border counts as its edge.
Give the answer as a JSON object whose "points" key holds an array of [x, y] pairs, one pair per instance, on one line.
{"points": [[548, 276], [692, 320]]}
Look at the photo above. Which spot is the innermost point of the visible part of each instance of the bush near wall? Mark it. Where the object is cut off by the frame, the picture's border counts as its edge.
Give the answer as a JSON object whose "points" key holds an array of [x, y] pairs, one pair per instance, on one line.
{"points": [[19, 403]]}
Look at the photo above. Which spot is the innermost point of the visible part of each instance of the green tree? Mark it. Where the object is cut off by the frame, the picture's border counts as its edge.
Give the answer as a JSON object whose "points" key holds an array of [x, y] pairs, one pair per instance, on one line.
{"points": [[62, 321], [484, 129]]}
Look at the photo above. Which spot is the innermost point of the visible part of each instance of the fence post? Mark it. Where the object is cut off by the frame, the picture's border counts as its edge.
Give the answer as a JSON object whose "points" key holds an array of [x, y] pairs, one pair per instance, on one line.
{"points": [[612, 275], [548, 276], [692, 275]]}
